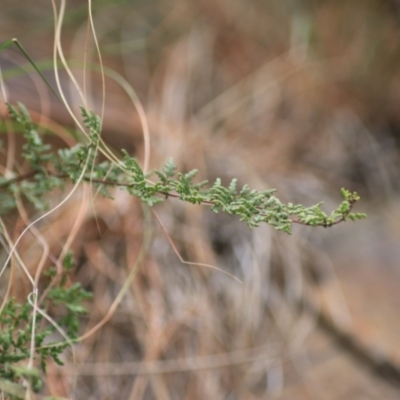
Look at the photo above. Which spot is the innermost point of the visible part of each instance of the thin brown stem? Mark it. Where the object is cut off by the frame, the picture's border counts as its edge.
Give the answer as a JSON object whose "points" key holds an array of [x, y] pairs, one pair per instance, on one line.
{"points": [[108, 182]]}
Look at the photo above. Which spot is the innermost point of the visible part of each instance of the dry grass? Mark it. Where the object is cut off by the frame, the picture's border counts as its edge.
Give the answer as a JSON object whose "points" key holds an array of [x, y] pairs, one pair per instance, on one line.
{"points": [[277, 96]]}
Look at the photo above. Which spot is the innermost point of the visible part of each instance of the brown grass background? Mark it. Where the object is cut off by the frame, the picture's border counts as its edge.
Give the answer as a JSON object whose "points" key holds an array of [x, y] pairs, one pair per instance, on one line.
{"points": [[302, 96]]}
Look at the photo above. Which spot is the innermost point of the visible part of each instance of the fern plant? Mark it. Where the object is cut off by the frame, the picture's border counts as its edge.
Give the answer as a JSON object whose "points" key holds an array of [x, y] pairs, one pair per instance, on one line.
{"points": [[51, 170], [17, 322]]}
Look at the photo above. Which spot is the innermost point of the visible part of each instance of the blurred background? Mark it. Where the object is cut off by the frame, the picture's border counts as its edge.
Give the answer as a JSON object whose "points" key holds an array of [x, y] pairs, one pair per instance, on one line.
{"points": [[301, 96]]}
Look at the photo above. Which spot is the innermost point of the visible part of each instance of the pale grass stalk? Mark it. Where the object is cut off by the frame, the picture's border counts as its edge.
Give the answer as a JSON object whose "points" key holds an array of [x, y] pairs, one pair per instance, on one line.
{"points": [[10, 136], [36, 233], [77, 225], [125, 286], [171, 242], [185, 364], [13, 251]]}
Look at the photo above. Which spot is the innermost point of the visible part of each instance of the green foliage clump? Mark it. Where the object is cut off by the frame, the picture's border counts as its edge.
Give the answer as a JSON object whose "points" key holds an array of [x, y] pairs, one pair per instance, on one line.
{"points": [[38, 181], [17, 323]]}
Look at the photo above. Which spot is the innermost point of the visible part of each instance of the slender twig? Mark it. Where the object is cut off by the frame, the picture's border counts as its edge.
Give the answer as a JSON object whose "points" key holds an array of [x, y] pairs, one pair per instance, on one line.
{"points": [[18, 178], [108, 182]]}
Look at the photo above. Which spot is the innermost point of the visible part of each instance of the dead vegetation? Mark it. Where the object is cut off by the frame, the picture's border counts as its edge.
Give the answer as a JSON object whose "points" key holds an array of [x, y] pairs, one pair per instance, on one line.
{"points": [[300, 97]]}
